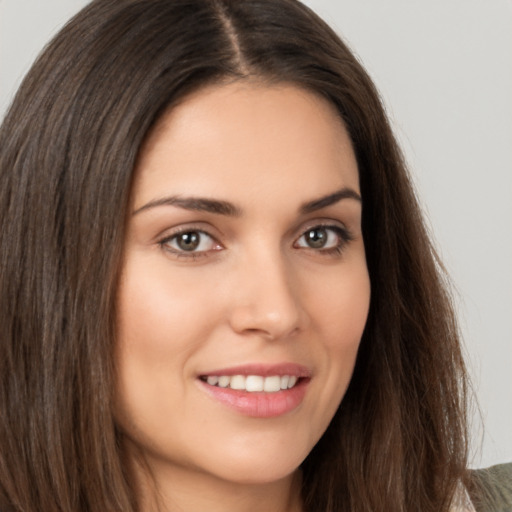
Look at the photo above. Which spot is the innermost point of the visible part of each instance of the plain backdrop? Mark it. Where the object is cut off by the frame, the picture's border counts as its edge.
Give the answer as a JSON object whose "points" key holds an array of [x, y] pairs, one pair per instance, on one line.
{"points": [[444, 69]]}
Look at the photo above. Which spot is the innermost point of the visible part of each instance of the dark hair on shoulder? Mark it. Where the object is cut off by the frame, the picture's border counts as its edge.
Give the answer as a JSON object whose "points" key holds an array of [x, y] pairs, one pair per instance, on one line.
{"points": [[69, 144]]}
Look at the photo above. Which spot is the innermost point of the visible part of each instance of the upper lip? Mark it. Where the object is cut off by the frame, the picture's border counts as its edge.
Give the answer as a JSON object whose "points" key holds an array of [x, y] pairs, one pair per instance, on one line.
{"points": [[265, 370]]}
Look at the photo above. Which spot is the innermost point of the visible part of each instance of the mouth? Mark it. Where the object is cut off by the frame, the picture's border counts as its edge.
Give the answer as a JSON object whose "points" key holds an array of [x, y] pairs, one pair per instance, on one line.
{"points": [[252, 383], [262, 391]]}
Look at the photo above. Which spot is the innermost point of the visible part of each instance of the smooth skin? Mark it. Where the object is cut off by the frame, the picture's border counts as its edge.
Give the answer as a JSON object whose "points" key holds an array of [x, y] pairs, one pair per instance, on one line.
{"points": [[253, 269]]}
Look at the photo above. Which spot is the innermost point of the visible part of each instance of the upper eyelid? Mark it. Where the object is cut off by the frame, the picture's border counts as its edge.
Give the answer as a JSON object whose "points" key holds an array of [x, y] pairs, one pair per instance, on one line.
{"points": [[342, 231], [333, 227], [170, 233], [321, 223]]}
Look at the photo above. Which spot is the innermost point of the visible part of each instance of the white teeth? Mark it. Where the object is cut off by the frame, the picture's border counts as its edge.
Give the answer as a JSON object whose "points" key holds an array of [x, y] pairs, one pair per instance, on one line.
{"points": [[224, 381], [253, 383], [272, 384], [237, 382]]}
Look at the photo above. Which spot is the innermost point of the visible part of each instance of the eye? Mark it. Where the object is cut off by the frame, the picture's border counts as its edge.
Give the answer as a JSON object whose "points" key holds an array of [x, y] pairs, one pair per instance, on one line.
{"points": [[324, 238], [190, 241]]}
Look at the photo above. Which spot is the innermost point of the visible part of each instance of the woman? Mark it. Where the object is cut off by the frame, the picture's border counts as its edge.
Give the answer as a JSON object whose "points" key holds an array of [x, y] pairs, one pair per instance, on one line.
{"points": [[196, 199]]}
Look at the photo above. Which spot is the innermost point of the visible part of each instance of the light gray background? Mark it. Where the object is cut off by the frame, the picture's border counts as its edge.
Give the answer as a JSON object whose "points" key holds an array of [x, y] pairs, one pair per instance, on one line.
{"points": [[444, 68]]}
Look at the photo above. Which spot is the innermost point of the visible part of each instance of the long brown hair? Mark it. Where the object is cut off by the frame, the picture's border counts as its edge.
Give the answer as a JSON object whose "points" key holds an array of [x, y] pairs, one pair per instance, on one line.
{"points": [[68, 149]]}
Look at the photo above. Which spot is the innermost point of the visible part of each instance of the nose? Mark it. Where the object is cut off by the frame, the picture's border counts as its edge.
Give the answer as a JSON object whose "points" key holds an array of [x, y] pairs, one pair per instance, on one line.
{"points": [[267, 299]]}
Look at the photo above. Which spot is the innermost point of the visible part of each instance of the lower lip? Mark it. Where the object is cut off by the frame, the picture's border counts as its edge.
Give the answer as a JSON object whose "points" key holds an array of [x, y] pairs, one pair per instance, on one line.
{"points": [[259, 404]]}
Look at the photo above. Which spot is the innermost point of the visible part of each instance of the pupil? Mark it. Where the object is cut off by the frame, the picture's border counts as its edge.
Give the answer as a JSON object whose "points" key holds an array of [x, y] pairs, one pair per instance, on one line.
{"points": [[316, 238], [188, 241]]}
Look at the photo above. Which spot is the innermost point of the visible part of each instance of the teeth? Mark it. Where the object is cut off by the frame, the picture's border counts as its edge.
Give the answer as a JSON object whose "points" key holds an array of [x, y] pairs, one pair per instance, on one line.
{"points": [[237, 382], [272, 384], [224, 381], [253, 383], [212, 380]]}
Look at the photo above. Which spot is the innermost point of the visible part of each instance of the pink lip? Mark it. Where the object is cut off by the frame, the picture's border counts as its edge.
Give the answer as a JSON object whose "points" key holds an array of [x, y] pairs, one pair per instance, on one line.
{"points": [[265, 370], [260, 404]]}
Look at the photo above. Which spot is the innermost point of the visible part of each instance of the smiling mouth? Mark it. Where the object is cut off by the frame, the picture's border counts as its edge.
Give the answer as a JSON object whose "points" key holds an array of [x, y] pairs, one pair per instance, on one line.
{"points": [[253, 383], [258, 390]]}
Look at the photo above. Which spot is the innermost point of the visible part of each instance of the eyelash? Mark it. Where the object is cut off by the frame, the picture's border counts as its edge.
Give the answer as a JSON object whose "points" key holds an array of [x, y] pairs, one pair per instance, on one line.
{"points": [[342, 233], [190, 255]]}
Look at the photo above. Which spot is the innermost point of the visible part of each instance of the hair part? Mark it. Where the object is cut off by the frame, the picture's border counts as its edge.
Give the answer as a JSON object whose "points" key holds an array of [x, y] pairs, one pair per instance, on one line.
{"points": [[69, 146]]}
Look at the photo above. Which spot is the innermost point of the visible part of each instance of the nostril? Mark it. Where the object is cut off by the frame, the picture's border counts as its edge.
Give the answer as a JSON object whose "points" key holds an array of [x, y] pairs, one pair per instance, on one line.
{"points": [[266, 321]]}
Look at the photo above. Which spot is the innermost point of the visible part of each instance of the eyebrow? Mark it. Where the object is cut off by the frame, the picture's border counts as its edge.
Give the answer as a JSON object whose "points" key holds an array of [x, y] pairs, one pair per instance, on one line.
{"points": [[200, 204], [324, 202], [229, 209]]}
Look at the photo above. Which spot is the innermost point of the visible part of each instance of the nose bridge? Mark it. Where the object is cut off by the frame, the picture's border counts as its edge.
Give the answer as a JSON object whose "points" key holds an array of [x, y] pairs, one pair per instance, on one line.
{"points": [[267, 300]]}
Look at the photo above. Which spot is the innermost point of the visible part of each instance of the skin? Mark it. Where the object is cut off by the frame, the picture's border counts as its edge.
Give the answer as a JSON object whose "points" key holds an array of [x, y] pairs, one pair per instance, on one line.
{"points": [[254, 291]]}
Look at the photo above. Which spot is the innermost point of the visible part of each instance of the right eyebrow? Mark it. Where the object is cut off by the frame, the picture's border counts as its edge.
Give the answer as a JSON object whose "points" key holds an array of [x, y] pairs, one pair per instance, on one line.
{"points": [[201, 204], [324, 202]]}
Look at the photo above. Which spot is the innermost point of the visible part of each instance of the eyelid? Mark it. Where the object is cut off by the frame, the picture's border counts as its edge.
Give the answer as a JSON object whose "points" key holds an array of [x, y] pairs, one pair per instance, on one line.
{"points": [[344, 234], [163, 242], [336, 225]]}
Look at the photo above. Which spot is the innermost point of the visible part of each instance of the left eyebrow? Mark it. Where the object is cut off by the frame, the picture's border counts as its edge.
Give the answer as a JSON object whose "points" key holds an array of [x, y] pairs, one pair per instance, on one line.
{"points": [[324, 202], [194, 203]]}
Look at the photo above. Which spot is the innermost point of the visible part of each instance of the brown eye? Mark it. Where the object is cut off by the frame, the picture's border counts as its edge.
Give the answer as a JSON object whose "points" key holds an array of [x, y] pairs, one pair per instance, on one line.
{"points": [[192, 242], [316, 238], [324, 238], [188, 241]]}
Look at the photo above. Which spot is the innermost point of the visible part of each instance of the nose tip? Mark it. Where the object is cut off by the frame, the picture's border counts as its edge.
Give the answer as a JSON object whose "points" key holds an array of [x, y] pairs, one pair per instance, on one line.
{"points": [[272, 324], [267, 304]]}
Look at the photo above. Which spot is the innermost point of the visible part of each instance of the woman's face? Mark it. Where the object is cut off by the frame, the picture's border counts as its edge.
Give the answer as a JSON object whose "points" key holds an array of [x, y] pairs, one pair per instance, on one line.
{"points": [[244, 288]]}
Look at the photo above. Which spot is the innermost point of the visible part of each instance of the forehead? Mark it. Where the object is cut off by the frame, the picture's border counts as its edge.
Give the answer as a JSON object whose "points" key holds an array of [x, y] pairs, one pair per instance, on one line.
{"points": [[243, 138]]}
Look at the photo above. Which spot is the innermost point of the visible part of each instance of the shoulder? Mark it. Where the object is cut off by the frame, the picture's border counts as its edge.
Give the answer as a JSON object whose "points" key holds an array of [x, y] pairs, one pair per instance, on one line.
{"points": [[491, 489]]}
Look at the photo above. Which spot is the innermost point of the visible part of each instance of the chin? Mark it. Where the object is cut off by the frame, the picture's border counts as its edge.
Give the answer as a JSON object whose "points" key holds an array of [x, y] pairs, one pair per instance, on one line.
{"points": [[256, 464], [252, 473]]}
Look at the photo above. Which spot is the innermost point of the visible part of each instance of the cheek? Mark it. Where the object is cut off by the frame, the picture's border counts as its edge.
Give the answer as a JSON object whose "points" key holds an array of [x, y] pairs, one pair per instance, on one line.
{"points": [[157, 332], [345, 317], [340, 317], [158, 313], [340, 307]]}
